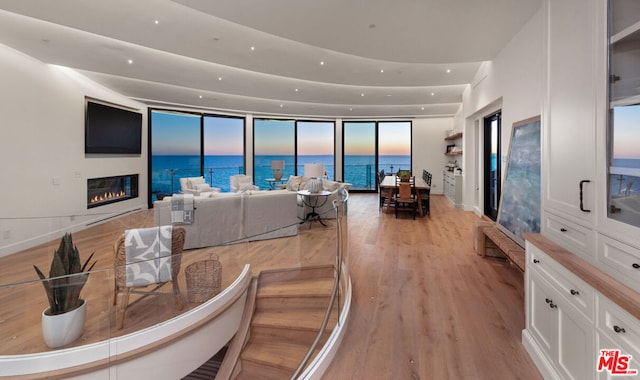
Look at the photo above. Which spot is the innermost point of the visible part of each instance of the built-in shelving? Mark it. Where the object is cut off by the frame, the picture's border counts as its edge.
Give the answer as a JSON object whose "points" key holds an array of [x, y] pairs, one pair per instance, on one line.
{"points": [[453, 149], [454, 136]]}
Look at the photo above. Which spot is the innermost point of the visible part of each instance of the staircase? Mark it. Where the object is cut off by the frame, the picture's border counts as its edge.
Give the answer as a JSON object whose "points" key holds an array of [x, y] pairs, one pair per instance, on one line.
{"points": [[289, 308]]}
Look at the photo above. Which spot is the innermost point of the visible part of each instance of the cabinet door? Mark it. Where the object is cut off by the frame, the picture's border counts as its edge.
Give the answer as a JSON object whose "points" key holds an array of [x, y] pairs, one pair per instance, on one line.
{"points": [[575, 344], [543, 321], [569, 113]]}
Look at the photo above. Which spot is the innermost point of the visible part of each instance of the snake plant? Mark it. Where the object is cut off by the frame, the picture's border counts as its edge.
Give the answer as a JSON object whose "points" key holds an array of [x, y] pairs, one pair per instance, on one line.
{"points": [[65, 283]]}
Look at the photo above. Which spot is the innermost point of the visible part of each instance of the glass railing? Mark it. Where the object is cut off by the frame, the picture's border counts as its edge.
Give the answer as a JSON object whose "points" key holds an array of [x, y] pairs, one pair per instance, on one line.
{"points": [[270, 234], [167, 181]]}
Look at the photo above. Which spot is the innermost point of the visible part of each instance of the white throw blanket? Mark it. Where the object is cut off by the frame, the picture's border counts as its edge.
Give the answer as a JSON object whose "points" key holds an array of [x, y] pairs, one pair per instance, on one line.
{"points": [[148, 254], [182, 209]]}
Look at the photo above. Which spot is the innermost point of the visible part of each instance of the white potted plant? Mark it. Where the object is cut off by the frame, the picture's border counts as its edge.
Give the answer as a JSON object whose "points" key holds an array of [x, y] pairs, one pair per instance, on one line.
{"points": [[63, 320]]}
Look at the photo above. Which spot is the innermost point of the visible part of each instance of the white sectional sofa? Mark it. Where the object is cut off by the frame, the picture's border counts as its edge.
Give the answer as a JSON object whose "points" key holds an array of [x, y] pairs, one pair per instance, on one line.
{"points": [[221, 218]]}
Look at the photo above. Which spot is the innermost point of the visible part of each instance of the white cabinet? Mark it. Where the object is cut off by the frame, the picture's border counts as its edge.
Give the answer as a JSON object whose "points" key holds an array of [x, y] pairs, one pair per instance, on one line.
{"points": [[559, 330], [452, 188], [569, 110], [568, 320]]}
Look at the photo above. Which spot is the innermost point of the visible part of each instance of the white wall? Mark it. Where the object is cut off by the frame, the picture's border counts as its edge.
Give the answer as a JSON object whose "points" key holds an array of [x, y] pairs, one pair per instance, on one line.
{"points": [[511, 82], [429, 147], [42, 139]]}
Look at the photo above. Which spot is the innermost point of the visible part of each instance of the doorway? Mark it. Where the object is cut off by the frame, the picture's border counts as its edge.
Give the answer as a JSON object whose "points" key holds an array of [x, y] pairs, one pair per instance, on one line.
{"points": [[492, 172]]}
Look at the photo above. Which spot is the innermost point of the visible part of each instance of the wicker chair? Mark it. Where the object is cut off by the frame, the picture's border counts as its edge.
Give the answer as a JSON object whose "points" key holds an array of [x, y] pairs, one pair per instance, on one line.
{"points": [[122, 291]]}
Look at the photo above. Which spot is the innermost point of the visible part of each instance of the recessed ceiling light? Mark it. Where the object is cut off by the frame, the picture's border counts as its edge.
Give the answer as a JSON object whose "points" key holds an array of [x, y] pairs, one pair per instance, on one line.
{"points": [[448, 71], [321, 63], [130, 61], [297, 90], [200, 96], [433, 93], [156, 22], [389, 95], [219, 78], [253, 48], [422, 108], [382, 70], [350, 109], [281, 105], [362, 94]]}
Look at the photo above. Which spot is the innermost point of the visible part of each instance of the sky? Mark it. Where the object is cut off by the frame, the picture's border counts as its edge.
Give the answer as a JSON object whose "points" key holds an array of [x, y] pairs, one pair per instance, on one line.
{"points": [[626, 136], [179, 134]]}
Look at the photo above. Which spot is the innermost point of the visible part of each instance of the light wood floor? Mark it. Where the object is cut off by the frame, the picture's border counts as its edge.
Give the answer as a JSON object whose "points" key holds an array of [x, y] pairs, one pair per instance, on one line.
{"points": [[425, 306]]}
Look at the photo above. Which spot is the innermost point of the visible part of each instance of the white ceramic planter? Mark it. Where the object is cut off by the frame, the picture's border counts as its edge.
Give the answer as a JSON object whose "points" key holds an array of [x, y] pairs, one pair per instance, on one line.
{"points": [[62, 329]]}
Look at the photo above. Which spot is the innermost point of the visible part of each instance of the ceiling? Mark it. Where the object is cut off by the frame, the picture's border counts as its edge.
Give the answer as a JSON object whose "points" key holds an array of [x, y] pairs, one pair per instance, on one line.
{"points": [[313, 58]]}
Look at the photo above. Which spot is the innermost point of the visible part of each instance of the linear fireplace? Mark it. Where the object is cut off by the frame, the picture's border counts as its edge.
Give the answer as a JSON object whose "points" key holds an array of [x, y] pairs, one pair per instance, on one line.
{"points": [[105, 190]]}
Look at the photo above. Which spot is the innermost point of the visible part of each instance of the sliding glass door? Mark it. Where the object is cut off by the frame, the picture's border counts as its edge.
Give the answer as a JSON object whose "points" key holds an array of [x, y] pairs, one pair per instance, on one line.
{"points": [[175, 151], [315, 145], [273, 140], [359, 139], [223, 149], [394, 146]]}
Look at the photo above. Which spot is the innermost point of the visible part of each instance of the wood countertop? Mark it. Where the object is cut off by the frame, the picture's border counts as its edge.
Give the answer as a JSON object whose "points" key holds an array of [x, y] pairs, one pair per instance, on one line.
{"points": [[622, 295]]}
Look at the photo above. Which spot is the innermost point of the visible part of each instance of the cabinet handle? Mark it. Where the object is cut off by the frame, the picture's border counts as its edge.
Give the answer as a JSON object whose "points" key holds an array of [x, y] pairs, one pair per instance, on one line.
{"points": [[618, 329], [574, 292], [548, 300], [553, 305], [563, 229], [536, 261], [581, 203], [635, 265]]}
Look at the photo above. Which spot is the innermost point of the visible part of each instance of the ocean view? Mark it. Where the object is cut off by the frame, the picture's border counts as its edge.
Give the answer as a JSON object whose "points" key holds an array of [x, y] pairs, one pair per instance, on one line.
{"points": [[358, 170]]}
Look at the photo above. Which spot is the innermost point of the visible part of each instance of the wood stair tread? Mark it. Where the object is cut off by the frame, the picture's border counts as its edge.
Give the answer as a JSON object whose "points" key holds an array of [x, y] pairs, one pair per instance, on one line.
{"points": [[296, 320], [282, 355], [309, 288]]}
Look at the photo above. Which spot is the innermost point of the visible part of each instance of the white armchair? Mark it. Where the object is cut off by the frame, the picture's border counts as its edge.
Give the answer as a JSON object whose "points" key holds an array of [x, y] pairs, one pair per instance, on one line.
{"points": [[196, 186], [241, 182]]}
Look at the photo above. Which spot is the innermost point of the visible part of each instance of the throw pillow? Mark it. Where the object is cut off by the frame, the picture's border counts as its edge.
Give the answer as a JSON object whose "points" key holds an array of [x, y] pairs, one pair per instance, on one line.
{"points": [[203, 187], [193, 182], [244, 186], [330, 185], [294, 183]]}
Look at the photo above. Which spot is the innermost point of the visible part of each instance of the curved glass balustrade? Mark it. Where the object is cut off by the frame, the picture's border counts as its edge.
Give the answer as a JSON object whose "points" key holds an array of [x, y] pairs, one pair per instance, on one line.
{"points": [[155, 322]]}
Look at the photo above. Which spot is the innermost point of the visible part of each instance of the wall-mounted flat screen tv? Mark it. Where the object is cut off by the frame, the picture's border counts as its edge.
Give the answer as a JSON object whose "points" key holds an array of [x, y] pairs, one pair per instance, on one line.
{"points": [[112, 130]]}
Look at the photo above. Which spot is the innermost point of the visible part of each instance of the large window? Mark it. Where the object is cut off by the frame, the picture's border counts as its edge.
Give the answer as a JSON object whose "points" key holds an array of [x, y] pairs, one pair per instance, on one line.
{"points": [[315, 145], [370, 147], [272, 140], [175, 151], [223, 149], [359, 155], [394, 146], [624, 113]]}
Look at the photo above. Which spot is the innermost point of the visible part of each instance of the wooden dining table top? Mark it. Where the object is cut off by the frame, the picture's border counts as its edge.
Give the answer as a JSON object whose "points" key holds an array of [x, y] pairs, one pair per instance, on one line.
{"points": [[390, 181]]}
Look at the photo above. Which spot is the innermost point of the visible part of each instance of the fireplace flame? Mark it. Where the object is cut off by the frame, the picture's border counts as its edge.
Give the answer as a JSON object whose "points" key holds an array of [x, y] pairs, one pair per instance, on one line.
{"points": [[107, 196]]}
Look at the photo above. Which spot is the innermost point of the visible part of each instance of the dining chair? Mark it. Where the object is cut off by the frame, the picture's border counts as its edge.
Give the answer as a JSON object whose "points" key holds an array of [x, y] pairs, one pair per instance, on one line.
{"points": [[405, 198]]}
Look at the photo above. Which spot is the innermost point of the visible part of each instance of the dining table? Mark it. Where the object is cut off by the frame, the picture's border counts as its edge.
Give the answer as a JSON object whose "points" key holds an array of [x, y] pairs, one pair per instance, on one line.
{"points": [[389, 184]]}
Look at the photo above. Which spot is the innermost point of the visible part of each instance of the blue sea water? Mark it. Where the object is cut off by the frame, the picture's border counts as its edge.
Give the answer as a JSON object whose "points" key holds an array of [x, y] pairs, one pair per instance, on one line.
{"points": [[358, 170], [625, 184]]}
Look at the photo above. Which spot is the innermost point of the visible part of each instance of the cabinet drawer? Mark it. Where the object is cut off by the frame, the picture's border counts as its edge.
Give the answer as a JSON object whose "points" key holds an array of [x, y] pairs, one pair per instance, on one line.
{"points": [[575, 238], [617, 324], [620, 261], [572, 288]]}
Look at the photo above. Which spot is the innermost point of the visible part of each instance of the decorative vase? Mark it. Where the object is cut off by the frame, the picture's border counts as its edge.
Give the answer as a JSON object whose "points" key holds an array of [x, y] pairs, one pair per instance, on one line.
{"points": [[314, 185], [277, 174], [62, 329]]}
